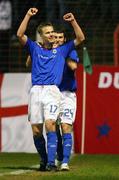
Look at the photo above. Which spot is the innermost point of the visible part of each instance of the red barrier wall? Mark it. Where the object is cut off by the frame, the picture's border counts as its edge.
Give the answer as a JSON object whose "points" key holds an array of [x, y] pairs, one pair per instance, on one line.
{"points": [[102, 114]]}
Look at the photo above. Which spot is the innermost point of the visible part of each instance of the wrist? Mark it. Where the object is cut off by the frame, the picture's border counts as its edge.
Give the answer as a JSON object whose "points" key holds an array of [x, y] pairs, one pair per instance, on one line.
{"points": [[73, 21], [28, 15]]}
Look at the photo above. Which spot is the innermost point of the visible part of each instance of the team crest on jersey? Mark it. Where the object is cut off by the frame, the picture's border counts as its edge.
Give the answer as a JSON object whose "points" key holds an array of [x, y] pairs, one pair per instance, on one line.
{"points": [[54, 51]]}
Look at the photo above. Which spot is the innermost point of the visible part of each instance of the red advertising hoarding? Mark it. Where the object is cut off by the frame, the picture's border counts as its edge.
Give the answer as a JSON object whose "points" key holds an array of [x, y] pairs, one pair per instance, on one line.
{"points": [[101, 130]]}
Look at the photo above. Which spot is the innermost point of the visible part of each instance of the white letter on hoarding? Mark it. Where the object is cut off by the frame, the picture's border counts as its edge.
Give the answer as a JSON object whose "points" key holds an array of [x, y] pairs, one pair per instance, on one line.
{"points": [[116, 80], [105, 80]]}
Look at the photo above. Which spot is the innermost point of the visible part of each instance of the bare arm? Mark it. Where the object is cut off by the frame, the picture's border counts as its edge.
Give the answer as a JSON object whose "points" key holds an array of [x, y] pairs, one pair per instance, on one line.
{"points": [[23, 26], [28, 61], [69, 17], [72, 64]]}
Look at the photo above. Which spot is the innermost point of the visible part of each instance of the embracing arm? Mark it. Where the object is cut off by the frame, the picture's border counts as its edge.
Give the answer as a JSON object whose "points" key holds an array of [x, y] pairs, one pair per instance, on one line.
{"points": [[28, 61], [23, 26], [69, 17], [72, 64]]}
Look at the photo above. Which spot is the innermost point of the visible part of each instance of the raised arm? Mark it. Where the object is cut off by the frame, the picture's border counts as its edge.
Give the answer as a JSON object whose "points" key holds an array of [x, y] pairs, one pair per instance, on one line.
{"points": [[23, 26], [69, 17]]}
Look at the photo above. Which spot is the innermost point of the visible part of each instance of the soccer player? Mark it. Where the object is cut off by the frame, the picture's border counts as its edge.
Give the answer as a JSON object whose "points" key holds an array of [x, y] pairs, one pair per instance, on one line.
{"points": [[68, 105], [46, 76]]}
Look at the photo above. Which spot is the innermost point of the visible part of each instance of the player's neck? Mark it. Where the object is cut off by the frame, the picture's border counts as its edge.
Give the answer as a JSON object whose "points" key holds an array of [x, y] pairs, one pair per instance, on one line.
{"points": [[48, 45]]}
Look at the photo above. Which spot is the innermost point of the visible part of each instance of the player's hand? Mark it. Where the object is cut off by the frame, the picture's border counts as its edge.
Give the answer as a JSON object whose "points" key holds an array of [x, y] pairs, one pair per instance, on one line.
{"points": [[32, 11], [69, 17]]}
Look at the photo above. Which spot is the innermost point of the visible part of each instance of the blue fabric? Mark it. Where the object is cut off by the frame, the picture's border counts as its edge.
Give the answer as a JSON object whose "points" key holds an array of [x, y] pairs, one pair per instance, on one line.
{"points": [[51, 147], [48, 65], [67, 146], [68, 81]]}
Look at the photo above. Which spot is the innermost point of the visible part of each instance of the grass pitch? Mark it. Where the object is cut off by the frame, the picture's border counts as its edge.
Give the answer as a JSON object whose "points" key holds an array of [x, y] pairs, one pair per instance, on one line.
{"points": [[24, 166]]}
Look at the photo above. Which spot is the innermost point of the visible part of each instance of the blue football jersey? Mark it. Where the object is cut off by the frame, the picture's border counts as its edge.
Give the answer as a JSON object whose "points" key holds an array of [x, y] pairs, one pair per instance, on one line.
{"points": [[48, 65], [68, 81]]}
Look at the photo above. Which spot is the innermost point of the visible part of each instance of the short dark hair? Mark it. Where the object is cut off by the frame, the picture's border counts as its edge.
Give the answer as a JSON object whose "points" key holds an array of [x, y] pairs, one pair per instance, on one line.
{"points": [[44, 24], [60, 29]]}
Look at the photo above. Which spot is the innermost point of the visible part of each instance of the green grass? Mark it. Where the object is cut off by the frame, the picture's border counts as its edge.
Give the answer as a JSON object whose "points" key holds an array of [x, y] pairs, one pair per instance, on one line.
{"points": [[82, 167]]}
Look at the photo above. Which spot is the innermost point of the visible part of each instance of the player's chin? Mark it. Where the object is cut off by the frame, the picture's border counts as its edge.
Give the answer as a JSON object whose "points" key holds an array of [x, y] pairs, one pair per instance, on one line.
{"points": [[51, 40]]}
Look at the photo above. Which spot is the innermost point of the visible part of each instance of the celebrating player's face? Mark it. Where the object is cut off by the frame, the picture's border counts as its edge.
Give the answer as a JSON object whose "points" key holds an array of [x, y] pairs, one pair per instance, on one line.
{"points": [[59, 38], [48, 34]]}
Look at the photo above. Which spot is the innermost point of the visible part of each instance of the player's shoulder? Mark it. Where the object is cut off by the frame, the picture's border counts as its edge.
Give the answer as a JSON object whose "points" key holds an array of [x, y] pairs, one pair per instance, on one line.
{"points": [[38, 43]]}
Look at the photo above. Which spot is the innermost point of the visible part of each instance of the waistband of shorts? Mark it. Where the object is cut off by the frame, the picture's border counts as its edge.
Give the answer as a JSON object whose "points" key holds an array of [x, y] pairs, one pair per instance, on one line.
{"points": [[43, 86]]}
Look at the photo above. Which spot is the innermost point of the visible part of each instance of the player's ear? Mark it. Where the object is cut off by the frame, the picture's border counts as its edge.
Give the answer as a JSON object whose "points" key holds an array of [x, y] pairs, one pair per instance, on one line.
{"points": [[64, 39]]}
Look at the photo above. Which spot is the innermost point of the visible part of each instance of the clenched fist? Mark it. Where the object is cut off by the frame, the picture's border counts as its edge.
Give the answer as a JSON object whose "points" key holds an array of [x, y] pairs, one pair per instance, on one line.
{"points": [[68, 17], [32, 11]]}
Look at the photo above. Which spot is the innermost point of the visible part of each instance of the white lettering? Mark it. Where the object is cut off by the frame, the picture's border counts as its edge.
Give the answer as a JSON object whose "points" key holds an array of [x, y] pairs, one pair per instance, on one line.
{"points": [[105, 80], [116, 80]]}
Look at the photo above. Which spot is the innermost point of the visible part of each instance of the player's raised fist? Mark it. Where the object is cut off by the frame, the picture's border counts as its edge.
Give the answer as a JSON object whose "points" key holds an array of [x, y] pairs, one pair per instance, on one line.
{"points": [[32, 11], [68, 17]]}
